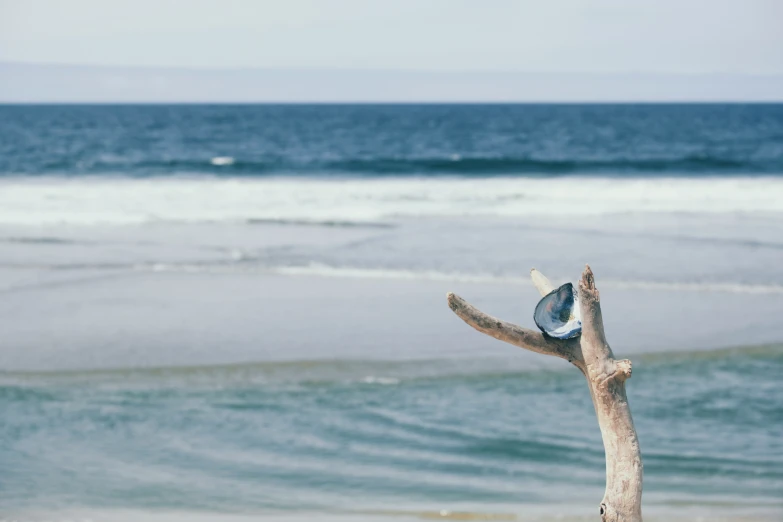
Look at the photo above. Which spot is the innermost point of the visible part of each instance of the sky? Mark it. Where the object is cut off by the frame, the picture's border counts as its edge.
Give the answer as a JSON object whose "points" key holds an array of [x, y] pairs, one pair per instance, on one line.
{"points": [[691, 37]]}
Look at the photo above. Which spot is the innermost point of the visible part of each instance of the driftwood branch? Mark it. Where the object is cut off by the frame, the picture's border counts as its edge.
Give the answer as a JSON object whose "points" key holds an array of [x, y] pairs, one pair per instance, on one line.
{"points": [[605, 378]]}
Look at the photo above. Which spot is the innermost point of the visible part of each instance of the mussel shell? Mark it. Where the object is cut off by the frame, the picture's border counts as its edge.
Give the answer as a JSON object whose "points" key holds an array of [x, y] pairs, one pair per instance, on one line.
{"points": [[557, 314]]}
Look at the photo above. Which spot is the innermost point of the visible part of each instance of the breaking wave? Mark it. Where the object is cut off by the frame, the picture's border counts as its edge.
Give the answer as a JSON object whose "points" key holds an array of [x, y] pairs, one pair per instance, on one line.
{"points": [[360, 202], [453, 165]]}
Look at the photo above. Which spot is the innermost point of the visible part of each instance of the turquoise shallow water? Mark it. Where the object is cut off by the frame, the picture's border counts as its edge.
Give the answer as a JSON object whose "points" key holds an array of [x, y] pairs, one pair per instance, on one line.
{"points": [[382, 435]]}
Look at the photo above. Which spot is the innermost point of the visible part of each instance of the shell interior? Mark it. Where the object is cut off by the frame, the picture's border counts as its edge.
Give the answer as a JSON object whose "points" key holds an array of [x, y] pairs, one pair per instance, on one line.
{"points": [[557, 314]]}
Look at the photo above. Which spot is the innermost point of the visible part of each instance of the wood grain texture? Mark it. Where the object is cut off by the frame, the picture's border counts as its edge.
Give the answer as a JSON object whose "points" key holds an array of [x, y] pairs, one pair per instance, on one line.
{"points": [[606, 377]]}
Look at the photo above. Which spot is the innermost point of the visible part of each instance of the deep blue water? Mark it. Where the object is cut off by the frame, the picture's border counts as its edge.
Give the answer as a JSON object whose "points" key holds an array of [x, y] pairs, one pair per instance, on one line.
{"points": [[384, 140]]}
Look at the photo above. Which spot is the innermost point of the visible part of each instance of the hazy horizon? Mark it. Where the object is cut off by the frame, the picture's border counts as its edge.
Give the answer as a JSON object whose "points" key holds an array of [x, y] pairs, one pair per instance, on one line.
{"points": [[353, 51], [78, 83]]}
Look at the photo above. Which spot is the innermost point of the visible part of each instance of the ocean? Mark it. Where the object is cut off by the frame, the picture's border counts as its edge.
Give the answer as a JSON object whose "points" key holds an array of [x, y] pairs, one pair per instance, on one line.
{"points": [[217, 312]]}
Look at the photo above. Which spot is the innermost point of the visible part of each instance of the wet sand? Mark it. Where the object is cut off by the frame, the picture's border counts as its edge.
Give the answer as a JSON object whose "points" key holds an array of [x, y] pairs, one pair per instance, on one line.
{"points": [[175, 319]]}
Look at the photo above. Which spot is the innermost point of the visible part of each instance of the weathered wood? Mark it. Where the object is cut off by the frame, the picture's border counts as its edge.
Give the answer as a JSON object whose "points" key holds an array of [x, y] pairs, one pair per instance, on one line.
{"points": [[606, 378], [541, 282]]}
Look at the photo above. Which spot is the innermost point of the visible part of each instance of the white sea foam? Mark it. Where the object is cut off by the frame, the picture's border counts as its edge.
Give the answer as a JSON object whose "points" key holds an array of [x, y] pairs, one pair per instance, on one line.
{"points": [[85, 201], [322, 270], [316, 269], [327, 271], [385, 381], [222, 161]]}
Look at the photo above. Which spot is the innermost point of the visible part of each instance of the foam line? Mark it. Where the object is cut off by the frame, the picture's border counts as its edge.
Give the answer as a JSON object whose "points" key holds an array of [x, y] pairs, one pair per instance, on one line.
{"points": [[123, 201]]}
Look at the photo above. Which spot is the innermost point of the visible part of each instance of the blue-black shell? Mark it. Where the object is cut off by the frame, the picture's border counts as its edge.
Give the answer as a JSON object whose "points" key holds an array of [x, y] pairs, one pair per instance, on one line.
{"points": [[557, 313]]}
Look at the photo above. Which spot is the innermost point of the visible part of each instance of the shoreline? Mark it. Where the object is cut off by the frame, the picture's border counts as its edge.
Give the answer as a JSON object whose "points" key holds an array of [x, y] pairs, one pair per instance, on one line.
{"points": [[540, 513], [251, 316]]}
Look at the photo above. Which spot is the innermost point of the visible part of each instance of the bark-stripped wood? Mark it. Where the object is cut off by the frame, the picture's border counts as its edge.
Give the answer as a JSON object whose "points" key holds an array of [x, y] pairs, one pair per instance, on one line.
{"points": [[606, 378]]}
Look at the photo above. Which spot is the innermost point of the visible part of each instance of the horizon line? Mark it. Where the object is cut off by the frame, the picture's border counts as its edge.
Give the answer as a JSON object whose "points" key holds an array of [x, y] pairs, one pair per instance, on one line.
{"points": [[35, 83], [385, 70]]}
